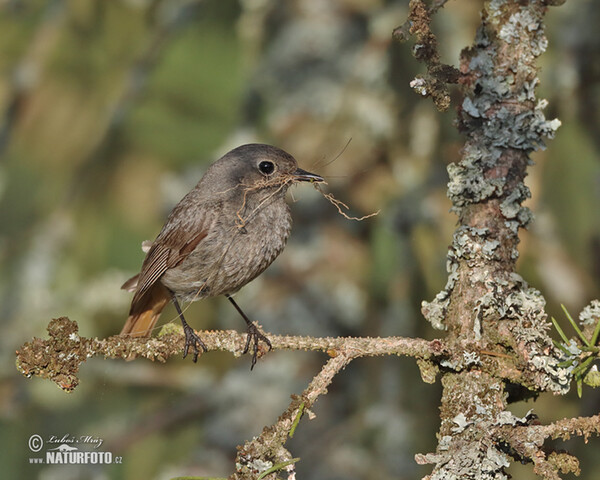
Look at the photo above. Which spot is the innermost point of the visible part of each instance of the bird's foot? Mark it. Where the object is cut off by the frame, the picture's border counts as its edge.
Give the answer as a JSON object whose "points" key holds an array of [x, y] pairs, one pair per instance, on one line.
{"points": [[254, 335], [194, 341]]}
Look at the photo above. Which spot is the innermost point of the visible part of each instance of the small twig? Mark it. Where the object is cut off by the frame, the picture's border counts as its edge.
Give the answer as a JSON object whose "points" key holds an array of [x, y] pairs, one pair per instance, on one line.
{"points": [[269, 445], [528, 442], [439, 75]]}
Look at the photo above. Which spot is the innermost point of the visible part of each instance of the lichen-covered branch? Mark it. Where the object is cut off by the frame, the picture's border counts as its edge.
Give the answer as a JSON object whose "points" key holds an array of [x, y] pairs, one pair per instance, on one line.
{"points": [[516, 438], [59, 357], [267, 450], [486, 305], [527, 444], [497, 347], [433, 84]]}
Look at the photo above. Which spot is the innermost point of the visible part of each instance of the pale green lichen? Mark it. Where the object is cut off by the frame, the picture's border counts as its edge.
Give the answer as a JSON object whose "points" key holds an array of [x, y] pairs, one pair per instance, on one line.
{"points": [[590, 315], [525, 21], [467, 184], [459, 458], [435, 311], [419, 85], [470, 245]]}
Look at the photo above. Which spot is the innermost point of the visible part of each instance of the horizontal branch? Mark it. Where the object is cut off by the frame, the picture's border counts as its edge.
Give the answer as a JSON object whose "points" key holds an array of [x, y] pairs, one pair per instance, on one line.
{"points": [[562, 429], [527, 443], [59, 357]]}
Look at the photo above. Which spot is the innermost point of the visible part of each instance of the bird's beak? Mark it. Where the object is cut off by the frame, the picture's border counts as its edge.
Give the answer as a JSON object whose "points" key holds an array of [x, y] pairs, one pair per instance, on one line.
{"points": [[304, 176]]}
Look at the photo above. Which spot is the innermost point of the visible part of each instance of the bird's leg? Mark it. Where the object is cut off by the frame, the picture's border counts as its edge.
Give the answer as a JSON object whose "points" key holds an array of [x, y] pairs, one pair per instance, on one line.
{"points": [[254, 334], [191, 339]]}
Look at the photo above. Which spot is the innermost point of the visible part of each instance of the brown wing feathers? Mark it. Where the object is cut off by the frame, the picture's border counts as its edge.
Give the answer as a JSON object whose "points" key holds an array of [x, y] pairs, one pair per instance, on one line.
{"points": [[151, 296]]}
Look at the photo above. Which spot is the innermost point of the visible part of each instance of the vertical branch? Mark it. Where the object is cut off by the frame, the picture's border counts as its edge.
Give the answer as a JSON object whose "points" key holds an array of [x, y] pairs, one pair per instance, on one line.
{"points": [[486, 307], [485, 302]]}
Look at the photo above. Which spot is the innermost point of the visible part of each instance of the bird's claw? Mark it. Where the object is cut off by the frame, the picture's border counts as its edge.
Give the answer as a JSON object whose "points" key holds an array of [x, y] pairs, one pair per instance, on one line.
{"points": [[254, 335], [194, 341]]}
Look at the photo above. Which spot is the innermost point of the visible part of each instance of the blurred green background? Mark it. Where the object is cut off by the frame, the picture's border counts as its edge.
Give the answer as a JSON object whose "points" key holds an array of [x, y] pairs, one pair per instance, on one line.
{"points": [[111, 111]]}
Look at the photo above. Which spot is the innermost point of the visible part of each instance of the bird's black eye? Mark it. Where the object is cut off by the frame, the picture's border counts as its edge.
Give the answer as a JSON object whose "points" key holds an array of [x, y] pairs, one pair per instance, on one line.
{"points": [[266, 167]]}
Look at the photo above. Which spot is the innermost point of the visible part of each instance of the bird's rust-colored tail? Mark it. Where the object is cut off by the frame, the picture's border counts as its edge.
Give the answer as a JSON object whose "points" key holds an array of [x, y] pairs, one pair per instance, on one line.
{"points": [[145, 312]]}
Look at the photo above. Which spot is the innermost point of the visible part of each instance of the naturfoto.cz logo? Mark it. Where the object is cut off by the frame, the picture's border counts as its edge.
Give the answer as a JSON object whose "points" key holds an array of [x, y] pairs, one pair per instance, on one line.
{"points": [[65, 451]]}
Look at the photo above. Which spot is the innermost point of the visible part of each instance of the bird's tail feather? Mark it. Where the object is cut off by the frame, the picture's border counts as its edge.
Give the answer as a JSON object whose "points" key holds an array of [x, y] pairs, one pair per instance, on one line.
{"points": [[144, 313]]}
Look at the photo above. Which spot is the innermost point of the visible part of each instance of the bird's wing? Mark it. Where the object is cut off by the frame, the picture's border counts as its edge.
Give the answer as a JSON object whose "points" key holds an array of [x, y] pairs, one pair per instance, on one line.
{"points": [[173, 244]]}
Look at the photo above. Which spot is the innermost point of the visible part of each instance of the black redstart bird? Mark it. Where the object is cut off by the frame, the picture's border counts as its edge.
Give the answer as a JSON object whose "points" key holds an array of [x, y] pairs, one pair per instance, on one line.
{"points": [[224, 233]]}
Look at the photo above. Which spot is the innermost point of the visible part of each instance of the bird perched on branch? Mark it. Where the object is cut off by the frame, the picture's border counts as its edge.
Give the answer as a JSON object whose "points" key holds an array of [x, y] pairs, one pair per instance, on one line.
{"points": [[224, 233]]}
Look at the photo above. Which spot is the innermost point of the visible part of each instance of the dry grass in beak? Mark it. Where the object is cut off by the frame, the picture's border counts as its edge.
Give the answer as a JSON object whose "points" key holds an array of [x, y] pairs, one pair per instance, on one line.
{"points": [[341, 206]]}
